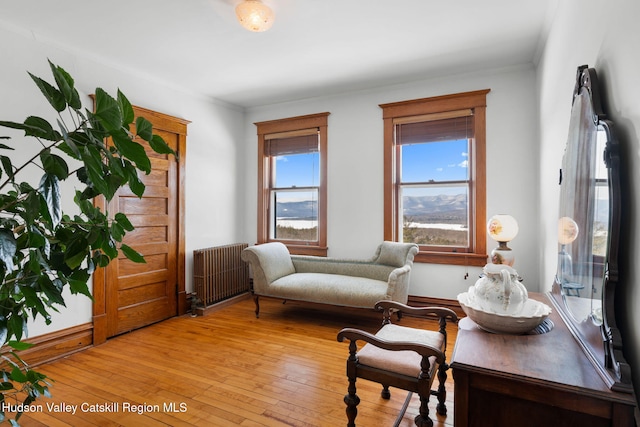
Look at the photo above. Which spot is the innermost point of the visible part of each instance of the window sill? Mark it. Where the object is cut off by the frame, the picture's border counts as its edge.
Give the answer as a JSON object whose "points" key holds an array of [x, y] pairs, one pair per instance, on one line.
{"points": [[452, 258], [308, 250]]}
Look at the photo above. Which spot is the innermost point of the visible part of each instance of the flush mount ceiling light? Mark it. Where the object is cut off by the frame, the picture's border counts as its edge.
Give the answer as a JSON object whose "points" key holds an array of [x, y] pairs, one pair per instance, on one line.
{"points": [[254, 15]]}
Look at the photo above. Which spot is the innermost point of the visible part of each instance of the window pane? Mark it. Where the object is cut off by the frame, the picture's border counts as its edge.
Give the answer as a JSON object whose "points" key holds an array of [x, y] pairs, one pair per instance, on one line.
{"points": [[601, 220], [435, 161], [436, 215], [296, 215], [297, 170]]}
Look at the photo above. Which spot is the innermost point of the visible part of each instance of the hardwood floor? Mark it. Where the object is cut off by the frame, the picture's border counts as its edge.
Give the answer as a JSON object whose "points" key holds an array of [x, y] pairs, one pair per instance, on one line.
{"points": [[227, 369]]}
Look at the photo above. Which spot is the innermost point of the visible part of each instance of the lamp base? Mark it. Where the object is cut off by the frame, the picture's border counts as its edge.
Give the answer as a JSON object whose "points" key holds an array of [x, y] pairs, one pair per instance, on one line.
{"points": [[503, 255]]}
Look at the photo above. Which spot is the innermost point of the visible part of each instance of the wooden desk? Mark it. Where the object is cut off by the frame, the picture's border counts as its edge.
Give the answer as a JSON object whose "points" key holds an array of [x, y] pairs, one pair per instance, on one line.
{"points": [[531, 380]]}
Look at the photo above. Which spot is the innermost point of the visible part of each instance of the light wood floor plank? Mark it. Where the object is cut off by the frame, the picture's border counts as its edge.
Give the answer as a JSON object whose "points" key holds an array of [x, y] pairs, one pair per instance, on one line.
{"points": [[230, 369]]}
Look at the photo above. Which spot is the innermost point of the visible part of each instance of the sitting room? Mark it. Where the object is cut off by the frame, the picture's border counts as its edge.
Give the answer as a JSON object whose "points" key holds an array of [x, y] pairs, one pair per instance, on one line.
{"points": [[343, 153]]}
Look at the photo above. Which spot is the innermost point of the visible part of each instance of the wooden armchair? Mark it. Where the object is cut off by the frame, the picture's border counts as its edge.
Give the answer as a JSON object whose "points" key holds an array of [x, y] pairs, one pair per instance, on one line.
{"points": [[401, 357]]}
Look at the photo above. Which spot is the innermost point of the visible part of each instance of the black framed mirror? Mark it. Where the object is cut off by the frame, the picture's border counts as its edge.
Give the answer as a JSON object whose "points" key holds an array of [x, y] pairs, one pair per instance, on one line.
{"points": [[588, 233]]}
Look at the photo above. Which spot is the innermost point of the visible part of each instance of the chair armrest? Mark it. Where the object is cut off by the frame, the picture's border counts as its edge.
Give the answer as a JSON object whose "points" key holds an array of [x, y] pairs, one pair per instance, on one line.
{"points": [[440, 312], [424, 350]]}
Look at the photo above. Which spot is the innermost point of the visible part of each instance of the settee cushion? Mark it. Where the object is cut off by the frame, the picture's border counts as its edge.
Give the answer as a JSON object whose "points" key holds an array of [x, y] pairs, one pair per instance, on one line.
{"points": [[394, 254], [332, 289]]}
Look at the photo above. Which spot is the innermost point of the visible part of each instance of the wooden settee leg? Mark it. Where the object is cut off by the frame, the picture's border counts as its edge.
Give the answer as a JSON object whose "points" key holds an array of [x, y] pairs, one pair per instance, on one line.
{"points": [[255, 300]]}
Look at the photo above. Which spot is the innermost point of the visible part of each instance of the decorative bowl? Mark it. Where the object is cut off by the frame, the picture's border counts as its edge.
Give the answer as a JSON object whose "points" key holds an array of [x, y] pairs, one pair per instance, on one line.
{"points": [[532, 314]]}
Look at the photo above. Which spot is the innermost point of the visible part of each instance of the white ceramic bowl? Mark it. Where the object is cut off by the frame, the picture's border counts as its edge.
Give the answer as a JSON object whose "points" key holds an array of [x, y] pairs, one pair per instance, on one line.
{"points": [[532, 314]]}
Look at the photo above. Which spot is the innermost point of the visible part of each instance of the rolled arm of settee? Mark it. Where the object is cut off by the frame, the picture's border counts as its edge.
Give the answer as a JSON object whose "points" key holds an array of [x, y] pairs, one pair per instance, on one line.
{"points": [[269, 262], [398, 289]]}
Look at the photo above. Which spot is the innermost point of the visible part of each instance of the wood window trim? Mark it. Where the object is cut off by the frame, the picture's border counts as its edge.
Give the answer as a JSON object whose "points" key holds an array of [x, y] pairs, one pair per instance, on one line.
{"points": [[293, 124], [392, 113]]}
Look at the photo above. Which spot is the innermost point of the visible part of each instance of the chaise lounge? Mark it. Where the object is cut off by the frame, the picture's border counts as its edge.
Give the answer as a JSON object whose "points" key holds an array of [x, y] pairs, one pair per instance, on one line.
{"points": [[342, 282]]}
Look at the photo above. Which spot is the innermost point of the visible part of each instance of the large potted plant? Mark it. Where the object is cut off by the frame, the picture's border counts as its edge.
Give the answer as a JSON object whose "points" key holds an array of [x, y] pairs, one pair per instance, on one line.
{"points": [[43, 250]]}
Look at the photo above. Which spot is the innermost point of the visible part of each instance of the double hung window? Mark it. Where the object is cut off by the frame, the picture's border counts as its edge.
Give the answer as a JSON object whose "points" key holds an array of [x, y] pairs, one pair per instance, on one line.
{"points": [[435, 177], [292, 183]]}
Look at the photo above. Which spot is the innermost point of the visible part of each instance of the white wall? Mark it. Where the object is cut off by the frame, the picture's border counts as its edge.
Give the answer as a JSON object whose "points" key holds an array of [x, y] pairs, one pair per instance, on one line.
{"points": [[602, 34], [355, 181], [213, 167]]}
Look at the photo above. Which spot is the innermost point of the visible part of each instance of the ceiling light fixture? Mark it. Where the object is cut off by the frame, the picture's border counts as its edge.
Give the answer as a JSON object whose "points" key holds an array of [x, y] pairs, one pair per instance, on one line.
{"points": [[254, 15]]}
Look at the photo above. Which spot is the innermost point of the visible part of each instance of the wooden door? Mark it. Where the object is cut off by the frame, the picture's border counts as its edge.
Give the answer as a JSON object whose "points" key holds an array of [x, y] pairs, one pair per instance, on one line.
{"points": [[133, 294]]}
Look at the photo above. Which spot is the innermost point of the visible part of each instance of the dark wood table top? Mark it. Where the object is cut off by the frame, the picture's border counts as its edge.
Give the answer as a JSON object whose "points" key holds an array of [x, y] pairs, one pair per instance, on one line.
{"points": [[553, 358]]}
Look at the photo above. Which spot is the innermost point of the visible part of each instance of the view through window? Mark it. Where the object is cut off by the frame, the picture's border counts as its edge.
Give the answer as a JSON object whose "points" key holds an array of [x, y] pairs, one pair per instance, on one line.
{"points": [[294, 194], [434, 182], [434, 187], [292, 183]]}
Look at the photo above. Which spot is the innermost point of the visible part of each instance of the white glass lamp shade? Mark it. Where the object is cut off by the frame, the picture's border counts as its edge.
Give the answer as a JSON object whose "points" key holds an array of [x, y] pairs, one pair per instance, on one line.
{"points": [[502, 228], [567, 230], [255, 15]]}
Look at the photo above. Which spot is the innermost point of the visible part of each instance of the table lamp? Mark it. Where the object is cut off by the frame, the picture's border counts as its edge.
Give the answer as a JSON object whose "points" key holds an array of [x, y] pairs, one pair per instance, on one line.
{"points": [[502, 228]]}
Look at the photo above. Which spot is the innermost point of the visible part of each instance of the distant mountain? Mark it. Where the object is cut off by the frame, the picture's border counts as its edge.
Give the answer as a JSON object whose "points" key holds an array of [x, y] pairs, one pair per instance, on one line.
{"points": [[426, 209], [297, 210], [436, 209]]}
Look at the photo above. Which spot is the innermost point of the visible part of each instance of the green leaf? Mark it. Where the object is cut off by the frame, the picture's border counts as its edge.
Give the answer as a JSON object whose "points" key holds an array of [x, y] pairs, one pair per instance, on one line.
{"points": [[33, 301], [34, 126], [53, 293], [7, 248], [40, 128], [123, 221], [65, 84], [160, 146], [126, 109], [108, 111], [33, 206], [5, 386], [50, 190], [117, 167], [100, 259], [117, 231], [16, 325], [76, 252], [132, 255], [132, 151], [109, 248], [19, 345], [18, 375], [135, 183], [93, 167], [54, 165], [53, 95], [78, 283], [69, 146], [144, 129], [7, 166]]}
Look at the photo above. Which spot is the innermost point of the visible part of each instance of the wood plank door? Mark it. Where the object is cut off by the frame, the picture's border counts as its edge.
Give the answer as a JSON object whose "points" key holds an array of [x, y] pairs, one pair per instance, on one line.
{"points": [[133, 294]]}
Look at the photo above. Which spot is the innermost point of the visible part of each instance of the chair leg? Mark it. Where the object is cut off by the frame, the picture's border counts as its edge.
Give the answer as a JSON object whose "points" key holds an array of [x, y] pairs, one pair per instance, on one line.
{"points": [[441, 408], [424, 391], [385, 393], [352, 400], [422, 419]]}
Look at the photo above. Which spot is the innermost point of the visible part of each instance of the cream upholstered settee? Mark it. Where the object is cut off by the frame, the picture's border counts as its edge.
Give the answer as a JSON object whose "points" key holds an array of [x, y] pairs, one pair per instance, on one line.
{"points": [[344, 282]]}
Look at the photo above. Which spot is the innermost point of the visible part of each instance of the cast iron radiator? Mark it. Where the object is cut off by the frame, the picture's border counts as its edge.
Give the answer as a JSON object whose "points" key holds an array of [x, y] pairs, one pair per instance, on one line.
{"points": [[219, 273]]}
